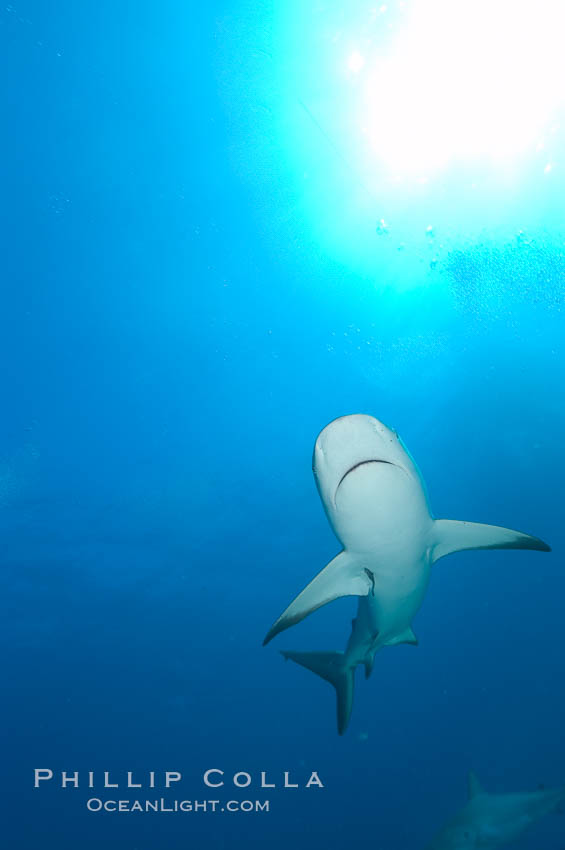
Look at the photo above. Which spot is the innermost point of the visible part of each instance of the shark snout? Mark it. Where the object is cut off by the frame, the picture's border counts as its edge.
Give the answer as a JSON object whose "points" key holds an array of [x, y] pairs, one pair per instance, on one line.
{"points": [[347, 444], [352, 439]]}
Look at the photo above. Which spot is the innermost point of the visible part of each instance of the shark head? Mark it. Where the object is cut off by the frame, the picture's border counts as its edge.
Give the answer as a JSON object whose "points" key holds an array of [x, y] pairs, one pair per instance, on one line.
{"points": [[365, 477], [350, 441]]}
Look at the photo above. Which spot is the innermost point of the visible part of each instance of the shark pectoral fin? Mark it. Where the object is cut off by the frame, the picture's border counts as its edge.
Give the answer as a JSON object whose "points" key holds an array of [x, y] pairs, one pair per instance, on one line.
{"points": [[344, 576], [330, 666], [450, 535], [407, 636], [474, 787]]}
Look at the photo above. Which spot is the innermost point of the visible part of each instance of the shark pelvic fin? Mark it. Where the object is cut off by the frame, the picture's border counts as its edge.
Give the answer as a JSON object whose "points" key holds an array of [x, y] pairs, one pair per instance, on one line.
{"points": [[368, 664], [450, 535], [344, 576], [330, 666], [474, 787], [407, 636]]}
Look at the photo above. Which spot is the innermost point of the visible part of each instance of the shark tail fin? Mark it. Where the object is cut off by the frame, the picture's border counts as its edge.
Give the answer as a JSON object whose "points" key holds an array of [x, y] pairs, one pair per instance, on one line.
{"points": [[344, 576], [331, 667], [450, 535]]}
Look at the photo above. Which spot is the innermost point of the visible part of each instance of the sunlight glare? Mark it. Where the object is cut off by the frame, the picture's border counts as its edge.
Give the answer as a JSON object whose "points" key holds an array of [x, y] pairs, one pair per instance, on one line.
{"points": [[463, 80]]}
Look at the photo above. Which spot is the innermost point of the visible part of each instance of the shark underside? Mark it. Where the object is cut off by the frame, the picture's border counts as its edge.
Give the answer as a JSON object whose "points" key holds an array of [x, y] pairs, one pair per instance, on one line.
{"points": [[376, 503]]}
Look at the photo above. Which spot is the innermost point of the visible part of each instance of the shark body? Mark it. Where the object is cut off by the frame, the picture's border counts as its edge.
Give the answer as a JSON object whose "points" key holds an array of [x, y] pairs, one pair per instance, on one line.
{"points": [[493, 820], [376, 503]]}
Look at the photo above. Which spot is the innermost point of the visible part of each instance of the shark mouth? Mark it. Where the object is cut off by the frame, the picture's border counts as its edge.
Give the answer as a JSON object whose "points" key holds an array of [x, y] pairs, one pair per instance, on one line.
{"points": [[356, 466]]}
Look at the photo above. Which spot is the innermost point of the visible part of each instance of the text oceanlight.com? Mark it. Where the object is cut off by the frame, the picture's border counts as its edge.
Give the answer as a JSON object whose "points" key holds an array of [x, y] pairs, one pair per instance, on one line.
{"points": [[187, 806]]}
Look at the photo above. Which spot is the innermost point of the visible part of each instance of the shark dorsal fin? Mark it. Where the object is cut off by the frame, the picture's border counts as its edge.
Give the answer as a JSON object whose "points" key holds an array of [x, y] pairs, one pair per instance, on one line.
{"points": [[474, 787]]}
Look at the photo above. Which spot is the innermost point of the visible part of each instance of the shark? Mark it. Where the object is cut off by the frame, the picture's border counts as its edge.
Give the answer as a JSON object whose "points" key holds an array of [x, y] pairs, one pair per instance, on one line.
{"points": [[376, 502], [492, 820]]}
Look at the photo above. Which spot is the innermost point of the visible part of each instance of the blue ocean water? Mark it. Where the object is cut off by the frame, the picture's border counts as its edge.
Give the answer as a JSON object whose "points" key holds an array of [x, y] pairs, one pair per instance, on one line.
{"points": [[196, 281]]}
